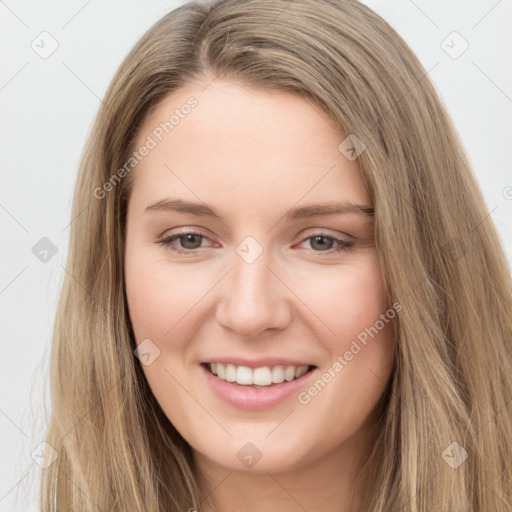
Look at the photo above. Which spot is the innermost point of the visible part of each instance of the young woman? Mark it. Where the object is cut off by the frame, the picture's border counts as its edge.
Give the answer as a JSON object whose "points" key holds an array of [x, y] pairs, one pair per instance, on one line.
{"points": [[284, 290]]}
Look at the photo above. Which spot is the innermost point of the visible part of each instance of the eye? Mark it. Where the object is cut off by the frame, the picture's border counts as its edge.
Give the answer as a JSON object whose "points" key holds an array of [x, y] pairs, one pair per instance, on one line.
{"points": [[318, 240], [191, 240]]}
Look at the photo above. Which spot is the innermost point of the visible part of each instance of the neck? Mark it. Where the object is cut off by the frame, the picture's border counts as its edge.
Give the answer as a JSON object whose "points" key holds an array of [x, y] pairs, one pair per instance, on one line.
{"points": [[340, 480]]}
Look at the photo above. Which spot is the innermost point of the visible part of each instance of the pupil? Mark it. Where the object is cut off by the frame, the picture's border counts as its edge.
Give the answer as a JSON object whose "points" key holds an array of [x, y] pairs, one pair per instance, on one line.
{"points": [[316, 238], [190, 238]]}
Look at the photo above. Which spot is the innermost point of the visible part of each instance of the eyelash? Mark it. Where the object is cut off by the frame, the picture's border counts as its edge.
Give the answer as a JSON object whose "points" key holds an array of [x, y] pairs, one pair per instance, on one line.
{"points": [[167, 241]]}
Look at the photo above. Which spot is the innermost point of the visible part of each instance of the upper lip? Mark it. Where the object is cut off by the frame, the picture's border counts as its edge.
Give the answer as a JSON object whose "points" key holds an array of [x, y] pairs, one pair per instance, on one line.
{"points": [[258, 363]]}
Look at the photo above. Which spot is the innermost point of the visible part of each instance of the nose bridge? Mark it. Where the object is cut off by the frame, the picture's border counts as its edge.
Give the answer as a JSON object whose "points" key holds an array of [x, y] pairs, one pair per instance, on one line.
{"points": [[253, 296], [251, 273]]}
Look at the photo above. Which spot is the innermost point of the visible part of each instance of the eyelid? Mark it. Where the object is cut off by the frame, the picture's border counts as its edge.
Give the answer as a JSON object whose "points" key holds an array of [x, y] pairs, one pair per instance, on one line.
{"points": [[325, 232], [184, 230]]}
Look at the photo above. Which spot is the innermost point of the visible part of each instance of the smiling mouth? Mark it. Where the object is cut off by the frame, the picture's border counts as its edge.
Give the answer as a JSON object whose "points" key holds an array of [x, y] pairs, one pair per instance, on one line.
{"points": [[262, 377]]}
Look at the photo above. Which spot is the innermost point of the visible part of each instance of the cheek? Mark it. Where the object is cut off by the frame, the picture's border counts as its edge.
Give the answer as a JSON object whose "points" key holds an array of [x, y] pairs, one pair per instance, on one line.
{"points": [[158, 297], [348, 301], [358, 343], [358, 365]]}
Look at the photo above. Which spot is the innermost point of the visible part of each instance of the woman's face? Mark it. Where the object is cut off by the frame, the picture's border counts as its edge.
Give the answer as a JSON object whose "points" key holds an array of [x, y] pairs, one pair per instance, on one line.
{"points": [[267, 287]]}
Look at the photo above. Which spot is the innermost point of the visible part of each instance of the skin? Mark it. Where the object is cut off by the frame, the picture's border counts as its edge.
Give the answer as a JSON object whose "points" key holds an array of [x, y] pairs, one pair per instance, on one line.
{"points": [[251, 155]]}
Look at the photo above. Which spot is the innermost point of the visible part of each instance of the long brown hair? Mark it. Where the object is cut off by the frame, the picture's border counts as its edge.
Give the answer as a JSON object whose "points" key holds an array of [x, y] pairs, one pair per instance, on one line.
{"points": [[450, 392]]}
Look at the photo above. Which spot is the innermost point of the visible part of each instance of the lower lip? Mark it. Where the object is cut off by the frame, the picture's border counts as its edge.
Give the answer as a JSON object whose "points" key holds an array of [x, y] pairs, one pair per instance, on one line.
{"points": [[255, 399]]}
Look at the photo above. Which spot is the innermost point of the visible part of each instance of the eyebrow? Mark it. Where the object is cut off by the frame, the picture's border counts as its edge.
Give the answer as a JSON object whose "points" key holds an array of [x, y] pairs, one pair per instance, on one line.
{"points": [[296, 213]]}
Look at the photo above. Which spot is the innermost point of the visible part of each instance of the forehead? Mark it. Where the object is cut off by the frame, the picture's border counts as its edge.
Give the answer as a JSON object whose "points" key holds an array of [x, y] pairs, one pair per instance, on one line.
{"points": [[228, 142]]}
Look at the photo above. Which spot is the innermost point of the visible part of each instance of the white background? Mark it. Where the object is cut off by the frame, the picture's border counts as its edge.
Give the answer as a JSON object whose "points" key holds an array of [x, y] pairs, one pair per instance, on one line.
{"points": [[47, 108]]}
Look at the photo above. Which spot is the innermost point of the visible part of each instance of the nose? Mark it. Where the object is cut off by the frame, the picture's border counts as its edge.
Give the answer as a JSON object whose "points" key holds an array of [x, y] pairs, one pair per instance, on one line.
{"points": [[253, 299]]}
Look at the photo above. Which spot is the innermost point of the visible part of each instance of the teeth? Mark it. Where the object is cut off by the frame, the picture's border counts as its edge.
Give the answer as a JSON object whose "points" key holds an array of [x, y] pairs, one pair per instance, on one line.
{"points": [[278, 374], [221, 372], [300, 371], [263, 376], [243, 375], [289, 373], [230, 373]]}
